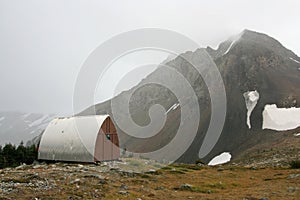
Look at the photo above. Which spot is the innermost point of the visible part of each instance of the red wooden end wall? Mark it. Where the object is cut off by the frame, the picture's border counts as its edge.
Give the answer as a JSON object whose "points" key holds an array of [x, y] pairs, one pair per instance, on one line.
{"points": [[107, 144]]}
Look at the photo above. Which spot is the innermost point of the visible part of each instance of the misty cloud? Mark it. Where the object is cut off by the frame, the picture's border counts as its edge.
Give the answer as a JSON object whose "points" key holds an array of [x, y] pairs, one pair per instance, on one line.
{"points": [[44, 43]]}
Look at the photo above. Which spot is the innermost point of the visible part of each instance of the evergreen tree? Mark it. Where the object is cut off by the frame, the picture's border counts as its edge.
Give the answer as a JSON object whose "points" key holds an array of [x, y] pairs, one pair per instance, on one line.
{"points": [[1, 158], [10, 156], [21, 153]]}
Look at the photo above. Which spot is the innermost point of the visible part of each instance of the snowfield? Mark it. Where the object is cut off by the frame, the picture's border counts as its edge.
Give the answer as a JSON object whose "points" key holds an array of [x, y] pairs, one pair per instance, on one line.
{"points": [[220, 159], [39, 121], [280, 119], [17, 126], [251, 98]]}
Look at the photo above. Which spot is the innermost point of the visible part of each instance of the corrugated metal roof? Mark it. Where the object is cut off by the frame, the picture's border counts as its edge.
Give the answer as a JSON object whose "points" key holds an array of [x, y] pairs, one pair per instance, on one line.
{"points": [[71, 139]]}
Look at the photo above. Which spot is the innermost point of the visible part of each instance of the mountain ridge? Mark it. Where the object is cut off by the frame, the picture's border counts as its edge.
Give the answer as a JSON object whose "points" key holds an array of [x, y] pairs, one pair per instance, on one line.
{"points": [[250, 61], [17, 126]]}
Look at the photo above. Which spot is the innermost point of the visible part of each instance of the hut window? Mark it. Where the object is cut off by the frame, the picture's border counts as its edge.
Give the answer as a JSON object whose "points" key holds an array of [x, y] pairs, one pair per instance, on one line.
{"points": [[108, 136]]}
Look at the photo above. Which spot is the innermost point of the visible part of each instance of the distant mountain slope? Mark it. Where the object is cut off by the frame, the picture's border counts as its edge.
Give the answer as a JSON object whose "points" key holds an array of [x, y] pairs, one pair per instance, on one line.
{"points": [[273, 150], [247, 62], [18, 126]]}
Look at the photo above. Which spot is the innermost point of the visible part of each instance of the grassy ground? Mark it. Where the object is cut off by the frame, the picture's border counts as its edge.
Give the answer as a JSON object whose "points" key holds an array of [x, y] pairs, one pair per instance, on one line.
{"points": [[73, 181]]}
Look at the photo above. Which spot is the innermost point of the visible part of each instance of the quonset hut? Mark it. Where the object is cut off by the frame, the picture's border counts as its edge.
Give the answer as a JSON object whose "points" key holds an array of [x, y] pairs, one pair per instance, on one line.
{"points": [[80, 139]]}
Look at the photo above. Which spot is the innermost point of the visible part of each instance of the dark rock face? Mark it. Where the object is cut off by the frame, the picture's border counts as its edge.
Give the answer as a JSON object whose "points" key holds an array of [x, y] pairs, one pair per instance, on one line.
{"points": [[251, 61]]}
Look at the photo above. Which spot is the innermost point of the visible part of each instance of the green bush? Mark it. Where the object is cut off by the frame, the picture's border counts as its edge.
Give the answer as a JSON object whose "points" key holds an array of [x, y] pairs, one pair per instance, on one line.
{"points": [[12, 156], [295, 164], [201, 162]]}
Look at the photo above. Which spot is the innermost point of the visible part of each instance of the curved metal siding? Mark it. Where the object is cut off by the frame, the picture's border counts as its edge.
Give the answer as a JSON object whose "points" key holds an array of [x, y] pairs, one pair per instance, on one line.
{"points": [[71, 139]]}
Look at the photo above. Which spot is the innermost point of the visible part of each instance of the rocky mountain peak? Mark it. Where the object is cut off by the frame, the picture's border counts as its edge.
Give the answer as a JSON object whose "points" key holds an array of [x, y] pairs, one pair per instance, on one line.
{"points": [[249, 61], [250, 41]]}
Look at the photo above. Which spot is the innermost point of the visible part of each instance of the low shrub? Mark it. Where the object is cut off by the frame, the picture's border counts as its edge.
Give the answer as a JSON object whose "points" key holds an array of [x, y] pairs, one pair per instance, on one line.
{"points": [[295, 164]]}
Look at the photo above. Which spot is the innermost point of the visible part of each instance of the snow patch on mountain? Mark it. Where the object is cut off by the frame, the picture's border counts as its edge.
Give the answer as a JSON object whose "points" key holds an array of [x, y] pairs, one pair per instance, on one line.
{"points": [[251, 98], [39, 121], [17, 126], [280, 119], [220, 159], [173, 107], [295, 60], [233, 42]]}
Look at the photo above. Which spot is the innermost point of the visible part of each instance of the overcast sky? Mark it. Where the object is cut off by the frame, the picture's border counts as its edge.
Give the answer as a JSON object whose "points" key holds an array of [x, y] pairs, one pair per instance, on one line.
{"points": [[43, 43]]}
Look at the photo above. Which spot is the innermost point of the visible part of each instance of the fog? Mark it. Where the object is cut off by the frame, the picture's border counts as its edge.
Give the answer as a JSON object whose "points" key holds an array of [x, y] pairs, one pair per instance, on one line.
{"points": [[44, 43]]}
